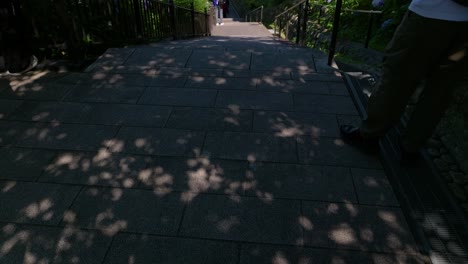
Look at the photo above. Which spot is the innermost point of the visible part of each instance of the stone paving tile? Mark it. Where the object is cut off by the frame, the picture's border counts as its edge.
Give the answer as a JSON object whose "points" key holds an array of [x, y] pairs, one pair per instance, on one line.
{"points": [[255, 100], [23, 164], [7, 107], [193, 176], [52, 111], [41, 244], [35, 91], [205, 72], [112, 210], [281, 74], [105, 94], [178, 97], [157, 141], [112, 57], [293, 86], [321, 65], [210, 119], [67, 136], [354, 120], [373, 187], [209, 59], [99, 169], [169, 81], [102, 78], [314, 76], [152, 249], [357, 227], [159, 58], [129, 115], [174, 72], [268, 60], [222, 83], [249, 146], [324, 104], [301, 182], [10, 131], [124, 69], [333, 151], [337, 88], [243, 219], [253, 254], [37, 203], [290, 124]]}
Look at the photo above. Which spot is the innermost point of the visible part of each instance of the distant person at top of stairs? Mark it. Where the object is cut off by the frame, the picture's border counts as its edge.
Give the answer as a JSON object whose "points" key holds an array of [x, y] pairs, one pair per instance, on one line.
{"points": [[218, 4], [225, 8]]}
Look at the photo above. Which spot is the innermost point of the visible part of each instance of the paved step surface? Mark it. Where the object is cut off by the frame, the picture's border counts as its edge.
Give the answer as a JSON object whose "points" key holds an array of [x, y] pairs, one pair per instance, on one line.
{"points": [[214, 150]]}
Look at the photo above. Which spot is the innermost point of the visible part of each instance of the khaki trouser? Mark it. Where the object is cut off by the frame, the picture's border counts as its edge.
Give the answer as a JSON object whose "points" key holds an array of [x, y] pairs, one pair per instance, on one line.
{"points": [[422, 50]]}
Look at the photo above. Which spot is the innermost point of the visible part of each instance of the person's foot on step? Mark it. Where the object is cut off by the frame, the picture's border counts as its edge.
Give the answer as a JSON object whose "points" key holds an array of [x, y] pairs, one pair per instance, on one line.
{"points": [[352, 135], [33, 61]]}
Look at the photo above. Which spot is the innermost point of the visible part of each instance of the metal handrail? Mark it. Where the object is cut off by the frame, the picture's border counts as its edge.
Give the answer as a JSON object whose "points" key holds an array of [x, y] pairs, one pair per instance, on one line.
{"points": [[302, 18], [363, 11], [336, 25], [291, 8], [238, 6], [255, 10]]}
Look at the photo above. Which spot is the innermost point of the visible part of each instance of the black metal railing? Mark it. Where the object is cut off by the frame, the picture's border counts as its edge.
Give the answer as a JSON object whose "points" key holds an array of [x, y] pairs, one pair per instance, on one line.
{"points": [[303, 18], [254, 15], [239, 7], [336, 27], [114, 21], [295, 16]]}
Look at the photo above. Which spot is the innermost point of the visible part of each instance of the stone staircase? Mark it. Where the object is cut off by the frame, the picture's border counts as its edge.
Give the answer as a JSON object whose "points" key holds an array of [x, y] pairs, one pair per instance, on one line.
{"points": [[223, 149]]}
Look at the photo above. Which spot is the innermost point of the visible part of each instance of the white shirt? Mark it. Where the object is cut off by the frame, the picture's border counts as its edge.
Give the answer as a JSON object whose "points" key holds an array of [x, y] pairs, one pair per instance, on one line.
{"points": [[440, 9]]}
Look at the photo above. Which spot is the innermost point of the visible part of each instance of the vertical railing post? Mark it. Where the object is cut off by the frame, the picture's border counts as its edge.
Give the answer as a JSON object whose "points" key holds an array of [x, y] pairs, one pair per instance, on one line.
{"points": [[336, 24], [280, 27], [298, 29], [369, 30], [261, 15], [173, 19], [192, 13], [305, 19], [138, 22], [276, 20], [206, 21]]}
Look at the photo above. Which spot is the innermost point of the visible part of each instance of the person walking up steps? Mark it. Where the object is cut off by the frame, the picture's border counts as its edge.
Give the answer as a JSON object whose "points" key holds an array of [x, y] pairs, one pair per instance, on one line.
{"points": [[430, 46], [16, 53], [225, 8]]}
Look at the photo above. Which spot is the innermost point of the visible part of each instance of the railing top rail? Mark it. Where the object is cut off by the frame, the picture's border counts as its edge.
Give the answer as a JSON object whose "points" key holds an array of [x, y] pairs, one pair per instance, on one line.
{"points": [[255, 9], [188, 9], [363, 11], [292, 7], [352, 10]]}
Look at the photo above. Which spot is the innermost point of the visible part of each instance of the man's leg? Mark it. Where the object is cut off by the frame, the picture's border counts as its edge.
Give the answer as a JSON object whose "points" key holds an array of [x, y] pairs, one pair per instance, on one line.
{"points": [[18, 52], [437, 93], [417, 45]]}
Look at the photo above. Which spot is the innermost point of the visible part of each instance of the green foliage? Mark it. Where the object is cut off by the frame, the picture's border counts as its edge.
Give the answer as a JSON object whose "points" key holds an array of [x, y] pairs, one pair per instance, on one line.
{"points": [[199, 5], [354, 25]]}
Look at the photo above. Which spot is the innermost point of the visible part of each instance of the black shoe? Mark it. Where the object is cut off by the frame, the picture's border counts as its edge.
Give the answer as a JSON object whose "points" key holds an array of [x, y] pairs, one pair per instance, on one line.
{"points": [[352, 135], [32, 64]]}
